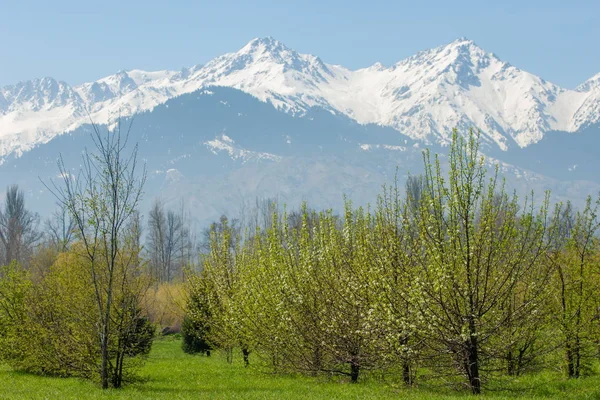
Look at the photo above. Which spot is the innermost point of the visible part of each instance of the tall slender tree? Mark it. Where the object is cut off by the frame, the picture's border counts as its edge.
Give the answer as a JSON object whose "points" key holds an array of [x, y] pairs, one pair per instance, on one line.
{"points": [[102, 199]]}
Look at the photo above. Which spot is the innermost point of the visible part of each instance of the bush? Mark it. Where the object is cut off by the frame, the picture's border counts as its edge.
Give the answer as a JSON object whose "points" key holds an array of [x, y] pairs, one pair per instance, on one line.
{"points": [[194, 339], [139, 342], [48, 325]]}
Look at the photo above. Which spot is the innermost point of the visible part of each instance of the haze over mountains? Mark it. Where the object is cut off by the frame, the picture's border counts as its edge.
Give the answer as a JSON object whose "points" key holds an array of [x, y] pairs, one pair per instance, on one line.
{"points": [[268, 121]]}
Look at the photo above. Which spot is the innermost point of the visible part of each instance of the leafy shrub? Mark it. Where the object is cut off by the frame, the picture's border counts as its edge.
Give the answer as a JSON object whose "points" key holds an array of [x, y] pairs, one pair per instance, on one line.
{"points": [[194, 338]]}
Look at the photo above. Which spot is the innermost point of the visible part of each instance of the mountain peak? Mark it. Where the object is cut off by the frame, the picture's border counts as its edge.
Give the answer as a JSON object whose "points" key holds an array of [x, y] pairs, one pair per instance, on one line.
{"points": [[592, 83], [463, 40], [462, 56], [465, 58], [266, 53], [264, 45], [265, 40], [465, 46], [377, 67], [121, 82]]}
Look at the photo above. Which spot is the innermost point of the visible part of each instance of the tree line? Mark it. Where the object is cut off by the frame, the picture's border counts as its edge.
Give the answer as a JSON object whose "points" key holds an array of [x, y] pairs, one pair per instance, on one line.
{"points": [[453, 277], [450, 277]]}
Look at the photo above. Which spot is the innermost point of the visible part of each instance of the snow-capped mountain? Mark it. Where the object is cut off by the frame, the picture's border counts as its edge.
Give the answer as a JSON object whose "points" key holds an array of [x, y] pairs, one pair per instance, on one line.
{"points": [[591, 84], [588, 112], [219, 148], [423, 96]]}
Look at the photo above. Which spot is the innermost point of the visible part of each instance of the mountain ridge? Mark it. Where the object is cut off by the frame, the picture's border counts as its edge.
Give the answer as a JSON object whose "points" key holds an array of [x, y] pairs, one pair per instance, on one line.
{"points": [[423, 96], [219, 147]]}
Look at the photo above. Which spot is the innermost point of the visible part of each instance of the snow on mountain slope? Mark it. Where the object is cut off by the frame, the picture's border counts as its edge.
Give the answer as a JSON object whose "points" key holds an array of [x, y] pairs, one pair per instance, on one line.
{"points": [[588, 111], [35, 111], [458, 85], [423, 96], [590, 84], [224, 143]]}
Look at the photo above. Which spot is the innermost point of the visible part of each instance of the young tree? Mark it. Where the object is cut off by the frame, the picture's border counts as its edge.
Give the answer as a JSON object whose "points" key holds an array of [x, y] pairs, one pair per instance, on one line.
{"points": [[133, 332], [395, 269], [304, 293], [577, 284], [352, 331], [474, 249], [101, 199], [196, 326]]}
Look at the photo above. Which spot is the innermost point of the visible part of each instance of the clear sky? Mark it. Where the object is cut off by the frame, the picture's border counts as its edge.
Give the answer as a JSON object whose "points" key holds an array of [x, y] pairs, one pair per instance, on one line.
{"points": [[81, 40]]}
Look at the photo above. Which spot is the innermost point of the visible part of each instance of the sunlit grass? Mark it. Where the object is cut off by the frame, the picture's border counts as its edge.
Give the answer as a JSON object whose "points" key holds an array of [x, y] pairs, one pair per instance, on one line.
{"points": [[171, 374]]}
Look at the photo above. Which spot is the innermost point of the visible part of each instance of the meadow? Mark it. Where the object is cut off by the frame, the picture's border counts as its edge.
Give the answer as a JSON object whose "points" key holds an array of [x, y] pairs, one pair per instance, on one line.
{"points": [[171, 374]]}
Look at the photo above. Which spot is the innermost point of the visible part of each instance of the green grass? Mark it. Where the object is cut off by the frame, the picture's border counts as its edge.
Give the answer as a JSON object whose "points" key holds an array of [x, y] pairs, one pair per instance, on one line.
{"points": [[171, 374]]}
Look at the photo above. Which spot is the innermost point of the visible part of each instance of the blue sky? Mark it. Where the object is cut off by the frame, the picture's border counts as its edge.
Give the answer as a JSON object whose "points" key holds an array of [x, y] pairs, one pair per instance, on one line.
{"points": [[79, 41]]}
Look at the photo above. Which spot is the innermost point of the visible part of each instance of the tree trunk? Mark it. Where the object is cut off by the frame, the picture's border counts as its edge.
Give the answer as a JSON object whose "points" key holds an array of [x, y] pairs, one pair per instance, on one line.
{"points": [[573, 353], [520, 361], [472, 359], [577, 356], [104, 354], [510, 363], [317, 363], [570, 362], [406, 376], [246, 353], [354, 371], [117, 377], [229, 352], [104, 375]]}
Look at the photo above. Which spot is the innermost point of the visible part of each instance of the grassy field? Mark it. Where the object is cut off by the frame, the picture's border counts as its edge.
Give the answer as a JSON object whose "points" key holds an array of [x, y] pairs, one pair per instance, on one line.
{"points": [[171, 374]]}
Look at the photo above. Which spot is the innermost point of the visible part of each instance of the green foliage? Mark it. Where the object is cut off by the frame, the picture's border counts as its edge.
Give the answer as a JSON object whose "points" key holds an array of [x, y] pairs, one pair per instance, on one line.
{"points": [[480, 260], [454, 279], [49, 324], [452, 282], [138, 342], [102, 201], [576, 306], [195, 338], [15, 292]]}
